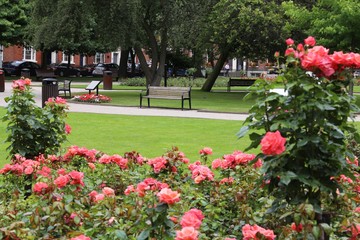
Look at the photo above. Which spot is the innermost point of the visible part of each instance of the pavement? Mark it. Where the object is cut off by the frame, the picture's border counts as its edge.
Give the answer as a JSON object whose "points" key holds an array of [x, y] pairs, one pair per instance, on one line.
{"points": [[136, 111]]}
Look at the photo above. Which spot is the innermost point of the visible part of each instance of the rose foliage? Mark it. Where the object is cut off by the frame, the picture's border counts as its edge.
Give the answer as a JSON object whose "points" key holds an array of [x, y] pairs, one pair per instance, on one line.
{"points": [[33, 130], [303, 133]]}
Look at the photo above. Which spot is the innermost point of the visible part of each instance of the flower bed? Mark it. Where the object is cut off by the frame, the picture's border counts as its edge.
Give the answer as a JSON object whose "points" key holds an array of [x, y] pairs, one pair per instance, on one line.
{"points": [[304, 183], [92, 98]]}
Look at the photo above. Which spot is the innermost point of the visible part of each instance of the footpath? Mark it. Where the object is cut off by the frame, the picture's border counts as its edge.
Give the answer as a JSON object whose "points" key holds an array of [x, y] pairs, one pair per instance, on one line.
{"points": [[136, 111]]}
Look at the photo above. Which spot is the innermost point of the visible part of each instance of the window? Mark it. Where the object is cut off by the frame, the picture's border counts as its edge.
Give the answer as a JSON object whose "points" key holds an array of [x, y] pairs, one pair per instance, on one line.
{"points": [[65, 58], [29, 54], [99, 58]]}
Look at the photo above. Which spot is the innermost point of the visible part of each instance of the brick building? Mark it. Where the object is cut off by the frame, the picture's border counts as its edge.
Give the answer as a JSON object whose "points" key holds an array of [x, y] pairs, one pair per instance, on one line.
{"points": [[14, 52]]}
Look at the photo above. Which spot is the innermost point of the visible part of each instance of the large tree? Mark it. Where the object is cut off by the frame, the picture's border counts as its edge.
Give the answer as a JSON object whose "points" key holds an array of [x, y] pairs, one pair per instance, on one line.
{"points": [[246, 28], [332, 22], [13, 19], [67, 25]]}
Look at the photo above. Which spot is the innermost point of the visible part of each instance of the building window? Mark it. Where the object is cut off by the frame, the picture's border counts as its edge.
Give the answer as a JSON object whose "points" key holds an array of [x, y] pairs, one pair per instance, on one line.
{"points": [[99, 57], [65, 58], [29, 54]]}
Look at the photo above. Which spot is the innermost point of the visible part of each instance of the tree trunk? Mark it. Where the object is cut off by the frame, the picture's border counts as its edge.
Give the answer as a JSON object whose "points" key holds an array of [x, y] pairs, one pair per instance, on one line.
{"points": [[123, 63], [210, 81]]}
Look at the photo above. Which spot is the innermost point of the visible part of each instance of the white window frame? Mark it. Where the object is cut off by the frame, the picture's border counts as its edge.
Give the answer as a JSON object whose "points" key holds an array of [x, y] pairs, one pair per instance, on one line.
{"points": [[65, 58], [1, 55], [29, 54], [99, 58]]}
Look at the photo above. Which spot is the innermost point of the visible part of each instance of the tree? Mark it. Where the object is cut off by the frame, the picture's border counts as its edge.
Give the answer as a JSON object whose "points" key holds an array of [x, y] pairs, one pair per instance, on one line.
{"points": [[330, 22], [247, 28], [13, 18], [68, 26]]}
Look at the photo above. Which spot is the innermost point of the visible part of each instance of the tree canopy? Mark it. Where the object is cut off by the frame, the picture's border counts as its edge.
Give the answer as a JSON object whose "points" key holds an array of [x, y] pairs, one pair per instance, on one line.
{"points": [[332, 22], [13, 18]]}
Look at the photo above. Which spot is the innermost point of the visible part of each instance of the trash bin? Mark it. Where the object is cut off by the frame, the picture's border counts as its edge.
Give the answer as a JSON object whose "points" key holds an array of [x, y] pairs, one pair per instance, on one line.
{"points": [[25, 72], [49, 89], [107, 80], [2, 81]]}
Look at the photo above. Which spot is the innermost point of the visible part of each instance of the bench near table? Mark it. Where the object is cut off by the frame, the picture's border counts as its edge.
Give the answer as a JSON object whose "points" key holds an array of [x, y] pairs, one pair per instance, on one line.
{"points": [[172, 93], [240, 82], [65, 86]]}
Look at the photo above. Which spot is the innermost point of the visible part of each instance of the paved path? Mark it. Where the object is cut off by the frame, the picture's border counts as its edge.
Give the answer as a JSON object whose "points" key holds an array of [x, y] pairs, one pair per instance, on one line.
{"points": [[93, 108]]}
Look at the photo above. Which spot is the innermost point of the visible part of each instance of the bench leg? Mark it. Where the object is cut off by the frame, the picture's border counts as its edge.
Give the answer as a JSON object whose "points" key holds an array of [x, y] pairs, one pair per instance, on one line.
{"points": [[140, 100], [148, 102], [190, 103], [182, 104]]}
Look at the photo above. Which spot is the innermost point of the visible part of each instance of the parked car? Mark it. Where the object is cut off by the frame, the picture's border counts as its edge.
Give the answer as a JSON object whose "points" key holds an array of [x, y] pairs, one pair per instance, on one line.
{"points": [[101, 67], [15, 67], [137, 71], [63, 70], [356, 73], [87, 70]]}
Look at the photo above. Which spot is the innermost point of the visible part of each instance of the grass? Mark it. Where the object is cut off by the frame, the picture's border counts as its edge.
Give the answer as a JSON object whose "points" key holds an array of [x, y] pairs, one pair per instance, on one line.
{"points": [[151, 136]]}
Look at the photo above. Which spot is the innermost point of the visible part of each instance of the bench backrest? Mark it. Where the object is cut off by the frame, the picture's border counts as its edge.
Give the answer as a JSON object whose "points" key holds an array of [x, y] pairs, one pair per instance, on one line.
{"points": [[169, 91], [241, 82]]}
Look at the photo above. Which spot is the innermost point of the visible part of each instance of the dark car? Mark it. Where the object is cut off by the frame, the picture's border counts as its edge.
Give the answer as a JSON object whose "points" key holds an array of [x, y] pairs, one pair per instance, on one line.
{"points": [[64, 70], [87, 70], [15, 67]]}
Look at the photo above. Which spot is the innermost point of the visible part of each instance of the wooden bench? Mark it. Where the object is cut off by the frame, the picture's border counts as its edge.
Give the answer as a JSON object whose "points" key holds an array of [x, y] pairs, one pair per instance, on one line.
{"points": [[65, 86], [43, 73], [240, 82], [94, 85], [172, 93]]}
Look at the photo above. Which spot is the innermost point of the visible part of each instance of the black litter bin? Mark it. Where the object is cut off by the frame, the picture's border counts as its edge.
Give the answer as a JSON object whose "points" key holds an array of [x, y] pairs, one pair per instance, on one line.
{"points": [[2, 81], [25, 72], [49, 89], [107, 80]]}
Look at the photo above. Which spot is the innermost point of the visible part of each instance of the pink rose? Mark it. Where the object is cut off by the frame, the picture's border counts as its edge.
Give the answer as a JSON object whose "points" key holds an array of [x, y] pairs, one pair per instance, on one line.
{"points": [[129, 190], [192, 218], [249, 232], [273, 143], [40, 187], [310, 41], [166, 195], [81, 237], [187, 233], [108, 191], [61, 181], [277, 54], [99, 197], [206, 151], [289, 41], [67, 129]]}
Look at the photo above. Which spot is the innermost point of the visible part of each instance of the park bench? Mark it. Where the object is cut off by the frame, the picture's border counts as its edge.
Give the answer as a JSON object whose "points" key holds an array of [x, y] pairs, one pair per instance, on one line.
{"points": [[233, 82], [65, 86], [172, 93], [43, 73]]}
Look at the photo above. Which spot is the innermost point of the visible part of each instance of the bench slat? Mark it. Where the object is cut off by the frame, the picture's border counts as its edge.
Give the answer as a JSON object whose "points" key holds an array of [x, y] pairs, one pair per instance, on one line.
{"points": [[172, 93]]}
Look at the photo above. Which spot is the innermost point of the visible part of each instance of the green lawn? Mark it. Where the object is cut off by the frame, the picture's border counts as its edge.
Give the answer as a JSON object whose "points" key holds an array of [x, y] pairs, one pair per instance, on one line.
{"points": [[151, 136]]}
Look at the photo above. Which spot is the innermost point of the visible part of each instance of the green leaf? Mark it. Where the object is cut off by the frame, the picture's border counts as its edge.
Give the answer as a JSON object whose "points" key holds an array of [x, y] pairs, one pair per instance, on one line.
{"points": [[143, 235], [242, 131], [121, 234], [287, 177], [162, 207], [328, 230]]}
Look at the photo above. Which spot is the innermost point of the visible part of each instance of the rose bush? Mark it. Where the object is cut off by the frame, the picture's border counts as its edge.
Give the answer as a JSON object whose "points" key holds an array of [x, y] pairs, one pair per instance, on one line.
{"points": [[303, 138]]}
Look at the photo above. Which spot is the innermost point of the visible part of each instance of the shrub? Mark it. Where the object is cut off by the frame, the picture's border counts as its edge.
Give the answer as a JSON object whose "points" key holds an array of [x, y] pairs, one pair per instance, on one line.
{"points": [[33, 130]]}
